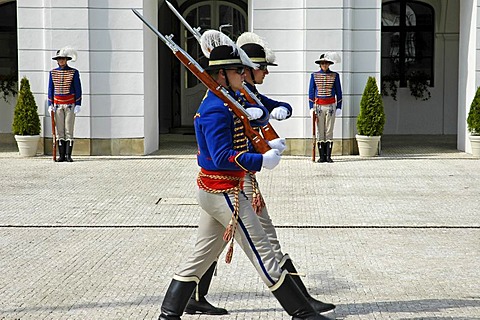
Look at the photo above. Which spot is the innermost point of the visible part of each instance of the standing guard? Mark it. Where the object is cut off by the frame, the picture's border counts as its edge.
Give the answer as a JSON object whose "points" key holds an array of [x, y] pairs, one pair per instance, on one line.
{"points": [[325, 101], [64, 100]]}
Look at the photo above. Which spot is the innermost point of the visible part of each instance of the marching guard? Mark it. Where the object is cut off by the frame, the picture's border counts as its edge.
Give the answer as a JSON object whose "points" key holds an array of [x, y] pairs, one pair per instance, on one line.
{"points": [[226, 212], [259, 52]]}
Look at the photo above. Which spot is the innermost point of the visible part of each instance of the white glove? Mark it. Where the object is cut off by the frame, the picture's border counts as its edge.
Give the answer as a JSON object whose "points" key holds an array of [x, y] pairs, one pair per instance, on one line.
{"points": [[312, 112], [280, 144], [279, 113], [271, 158], [77, 109], [254, 113], [51, 108], [338, 112]]}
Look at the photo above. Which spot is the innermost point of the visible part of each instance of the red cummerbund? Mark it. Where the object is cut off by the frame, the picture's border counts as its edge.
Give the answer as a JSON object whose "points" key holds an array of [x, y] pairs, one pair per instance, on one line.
{"points": [[221, 180], [67, 99], [324, 101]]}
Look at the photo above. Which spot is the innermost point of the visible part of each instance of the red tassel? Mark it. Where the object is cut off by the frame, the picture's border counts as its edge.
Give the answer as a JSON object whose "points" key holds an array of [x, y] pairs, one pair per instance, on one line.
{"points": [[228, 234], [228, 257], [257, 203]]}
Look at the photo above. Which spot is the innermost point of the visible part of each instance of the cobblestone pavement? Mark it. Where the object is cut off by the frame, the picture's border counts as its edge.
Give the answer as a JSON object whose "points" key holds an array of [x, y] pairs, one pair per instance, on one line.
{"points": [[392, 237]]}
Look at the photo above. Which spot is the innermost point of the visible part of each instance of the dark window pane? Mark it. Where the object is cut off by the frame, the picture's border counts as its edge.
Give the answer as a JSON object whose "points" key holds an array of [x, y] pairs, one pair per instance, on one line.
{"points": [[419, 14], [198, 17], [233, 17], [8, 41], [391, 14]]}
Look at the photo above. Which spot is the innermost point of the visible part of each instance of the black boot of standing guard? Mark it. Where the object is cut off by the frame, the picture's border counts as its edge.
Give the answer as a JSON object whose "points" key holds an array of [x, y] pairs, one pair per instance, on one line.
{"points": [[329, 148], [321, 307], [62, 145], [198, 303], [322, 152], [293, 301], [176, 299], [69, 151]]}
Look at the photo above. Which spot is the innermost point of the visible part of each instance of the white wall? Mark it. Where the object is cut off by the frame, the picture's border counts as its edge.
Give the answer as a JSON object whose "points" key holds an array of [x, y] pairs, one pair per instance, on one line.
{"points": [[7, 108], [469, 73], [298, 32], [116, 78]]}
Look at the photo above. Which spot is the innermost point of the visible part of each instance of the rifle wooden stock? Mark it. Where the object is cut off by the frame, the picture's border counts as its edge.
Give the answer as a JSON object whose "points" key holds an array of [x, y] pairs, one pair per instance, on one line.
{"points": [[54, 137], [258, 143]]}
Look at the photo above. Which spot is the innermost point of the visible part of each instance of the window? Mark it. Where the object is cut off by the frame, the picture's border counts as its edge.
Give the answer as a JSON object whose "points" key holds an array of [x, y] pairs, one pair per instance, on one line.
{"points": [[8, 42], [407, 42]]}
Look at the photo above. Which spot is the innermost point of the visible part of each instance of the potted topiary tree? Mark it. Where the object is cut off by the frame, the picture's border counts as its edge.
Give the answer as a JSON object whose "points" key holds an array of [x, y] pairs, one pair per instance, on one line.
{"points": [[473, 123], [26, 123], [370, 120]]}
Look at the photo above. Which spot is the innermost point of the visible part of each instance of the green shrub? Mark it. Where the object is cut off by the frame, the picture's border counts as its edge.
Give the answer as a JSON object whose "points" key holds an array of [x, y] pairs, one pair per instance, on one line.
{"points": [[371, 119], [473, 120], [25, 118]]}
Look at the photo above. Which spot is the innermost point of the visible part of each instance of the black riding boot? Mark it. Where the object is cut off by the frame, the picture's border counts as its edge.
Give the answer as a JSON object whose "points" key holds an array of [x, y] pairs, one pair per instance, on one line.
{"points": [[62, 145], [316, 304], [293, 301], [321, 152], [329, 151], [201, 305], [69, 151], [176, 299]]}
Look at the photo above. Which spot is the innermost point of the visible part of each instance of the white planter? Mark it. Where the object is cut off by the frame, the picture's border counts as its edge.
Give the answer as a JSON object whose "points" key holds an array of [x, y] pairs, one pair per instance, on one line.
{"points": [[475, 143], [27, 145], [367, 145]]}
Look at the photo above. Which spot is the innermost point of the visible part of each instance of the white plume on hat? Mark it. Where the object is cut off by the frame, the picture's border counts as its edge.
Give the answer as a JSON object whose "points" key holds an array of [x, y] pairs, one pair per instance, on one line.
{"points": [[250, 37], [67, 52], [213, 38], [333, 56]]}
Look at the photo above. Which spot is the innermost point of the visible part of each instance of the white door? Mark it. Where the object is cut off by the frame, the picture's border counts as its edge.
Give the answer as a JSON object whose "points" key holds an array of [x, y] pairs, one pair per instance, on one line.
{"points": [[206, 15]]}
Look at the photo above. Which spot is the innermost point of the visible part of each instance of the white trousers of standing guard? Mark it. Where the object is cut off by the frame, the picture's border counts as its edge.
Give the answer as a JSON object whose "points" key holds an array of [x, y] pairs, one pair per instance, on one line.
{"points": [[325, 121]]}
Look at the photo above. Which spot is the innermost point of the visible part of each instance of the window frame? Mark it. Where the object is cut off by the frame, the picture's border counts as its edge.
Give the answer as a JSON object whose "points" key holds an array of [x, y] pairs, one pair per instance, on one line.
{"points": [[403, 30]]}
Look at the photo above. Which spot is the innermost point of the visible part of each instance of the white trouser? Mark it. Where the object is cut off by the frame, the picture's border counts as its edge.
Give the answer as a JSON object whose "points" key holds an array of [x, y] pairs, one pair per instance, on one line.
{"points": [[215, 215], [64, 123], [325, 121], [265, 220]]}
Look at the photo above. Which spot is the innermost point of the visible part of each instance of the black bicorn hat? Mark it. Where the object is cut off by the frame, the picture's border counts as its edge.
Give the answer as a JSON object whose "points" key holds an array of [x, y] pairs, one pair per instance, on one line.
{"points": [[224, 56], [257, 54], [67, 53], [330, 57], [256, 48]]}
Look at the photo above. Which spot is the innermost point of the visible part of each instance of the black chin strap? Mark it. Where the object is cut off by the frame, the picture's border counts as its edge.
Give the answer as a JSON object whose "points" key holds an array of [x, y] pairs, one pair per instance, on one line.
{"points": [[253, 77], [226, 78]]}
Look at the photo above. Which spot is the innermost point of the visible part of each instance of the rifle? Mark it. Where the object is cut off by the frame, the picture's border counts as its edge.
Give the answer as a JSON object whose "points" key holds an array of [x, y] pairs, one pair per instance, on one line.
{"points": [[54, 136], [314, 137], [267, 130], [258, 143]]}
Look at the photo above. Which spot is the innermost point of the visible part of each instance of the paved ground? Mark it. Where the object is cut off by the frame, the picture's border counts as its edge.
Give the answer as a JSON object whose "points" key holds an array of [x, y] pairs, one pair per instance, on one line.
{"points": [[392, 237]]}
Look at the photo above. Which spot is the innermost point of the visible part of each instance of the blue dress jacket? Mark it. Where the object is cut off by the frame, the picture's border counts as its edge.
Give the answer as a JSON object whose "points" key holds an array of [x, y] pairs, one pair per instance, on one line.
{"points": [[324, 87], [219, 138], [64, 87]]}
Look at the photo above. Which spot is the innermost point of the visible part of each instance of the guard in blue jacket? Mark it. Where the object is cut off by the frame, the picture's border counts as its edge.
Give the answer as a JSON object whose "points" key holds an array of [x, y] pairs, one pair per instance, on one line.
{"points": [[226, 212], [65, 100], [259, 52], [325, 100]]}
